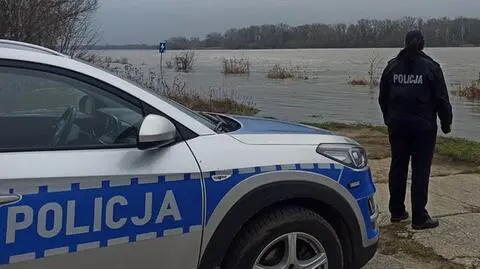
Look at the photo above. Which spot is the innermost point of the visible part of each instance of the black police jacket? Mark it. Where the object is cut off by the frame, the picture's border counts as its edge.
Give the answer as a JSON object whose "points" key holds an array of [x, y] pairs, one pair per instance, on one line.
{"points": [[413, 92]]}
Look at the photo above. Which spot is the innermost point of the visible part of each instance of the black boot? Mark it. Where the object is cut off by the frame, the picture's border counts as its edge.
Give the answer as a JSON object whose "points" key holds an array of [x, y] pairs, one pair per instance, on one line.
{"points": [[429, 223], [399, 218]]}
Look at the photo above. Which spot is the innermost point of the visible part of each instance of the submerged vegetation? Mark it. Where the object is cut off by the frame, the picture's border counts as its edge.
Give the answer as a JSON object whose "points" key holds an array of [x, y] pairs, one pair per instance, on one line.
{"points": [[358, 81], [470, 92], [235, 66], [374, 62], [184, 61], [286, 72], [279, 72], [169, 63]]}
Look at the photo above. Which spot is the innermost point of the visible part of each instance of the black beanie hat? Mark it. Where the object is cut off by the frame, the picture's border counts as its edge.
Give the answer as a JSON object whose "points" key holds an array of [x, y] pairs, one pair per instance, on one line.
{"points": [[415, 37]]}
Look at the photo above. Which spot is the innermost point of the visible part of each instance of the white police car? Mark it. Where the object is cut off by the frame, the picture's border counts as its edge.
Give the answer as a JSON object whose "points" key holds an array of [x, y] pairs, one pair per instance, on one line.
{"points": [[98, 173]]}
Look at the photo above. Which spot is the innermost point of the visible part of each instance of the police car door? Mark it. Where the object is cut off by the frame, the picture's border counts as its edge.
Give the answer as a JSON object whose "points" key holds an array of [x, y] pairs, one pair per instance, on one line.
{"points": [[89, 198]]}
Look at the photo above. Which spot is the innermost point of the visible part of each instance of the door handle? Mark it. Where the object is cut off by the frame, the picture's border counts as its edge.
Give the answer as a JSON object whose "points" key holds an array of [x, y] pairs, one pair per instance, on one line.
{"points": [[8, 198]]}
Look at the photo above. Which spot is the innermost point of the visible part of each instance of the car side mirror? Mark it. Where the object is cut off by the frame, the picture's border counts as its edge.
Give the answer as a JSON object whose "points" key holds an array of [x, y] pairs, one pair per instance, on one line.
{"points": [[156, 131]]}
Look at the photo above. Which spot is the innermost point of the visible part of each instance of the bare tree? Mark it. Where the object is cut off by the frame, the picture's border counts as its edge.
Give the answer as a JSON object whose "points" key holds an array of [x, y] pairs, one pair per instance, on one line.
{"points": [[373, 71], [62, 25]]}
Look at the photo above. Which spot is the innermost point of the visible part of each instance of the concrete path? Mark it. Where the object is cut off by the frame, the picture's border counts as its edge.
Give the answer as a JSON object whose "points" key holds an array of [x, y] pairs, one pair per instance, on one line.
{"points": [[454, 199]]}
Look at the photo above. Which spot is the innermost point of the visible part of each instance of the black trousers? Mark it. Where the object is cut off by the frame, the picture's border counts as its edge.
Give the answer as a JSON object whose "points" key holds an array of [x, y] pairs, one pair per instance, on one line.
{"points": [[418, 145]]}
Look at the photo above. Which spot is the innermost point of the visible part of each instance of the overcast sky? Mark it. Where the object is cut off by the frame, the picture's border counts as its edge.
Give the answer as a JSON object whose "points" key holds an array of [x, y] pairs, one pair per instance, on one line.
{"points": [[148, 21]]}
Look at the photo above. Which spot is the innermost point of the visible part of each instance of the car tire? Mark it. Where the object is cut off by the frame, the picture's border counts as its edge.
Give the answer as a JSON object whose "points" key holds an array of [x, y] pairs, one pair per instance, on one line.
{"points": [[295, 222]]}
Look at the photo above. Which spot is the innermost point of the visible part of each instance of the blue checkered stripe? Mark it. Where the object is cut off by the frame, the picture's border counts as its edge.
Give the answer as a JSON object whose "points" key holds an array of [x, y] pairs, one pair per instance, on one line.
{"points": [[89, 195], [87, 201], [216, 190]]}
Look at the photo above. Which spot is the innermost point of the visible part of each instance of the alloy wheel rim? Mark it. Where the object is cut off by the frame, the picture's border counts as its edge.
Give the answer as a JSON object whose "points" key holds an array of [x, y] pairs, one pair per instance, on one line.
{"points": [[293, 251]]}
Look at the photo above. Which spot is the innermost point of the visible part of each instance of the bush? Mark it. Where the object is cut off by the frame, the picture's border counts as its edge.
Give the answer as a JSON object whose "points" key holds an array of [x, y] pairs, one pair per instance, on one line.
{"points": [[218, 100], [374, 64], [362, 82], [471, 92], [105, 62], [184, 61], [358, 82], [235, 66], [122, 60], [169, 64], [280, 72]]}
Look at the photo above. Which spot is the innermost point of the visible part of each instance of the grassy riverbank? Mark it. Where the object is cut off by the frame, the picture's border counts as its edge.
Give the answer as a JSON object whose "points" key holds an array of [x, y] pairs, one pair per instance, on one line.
{"points": [[375, 139]]}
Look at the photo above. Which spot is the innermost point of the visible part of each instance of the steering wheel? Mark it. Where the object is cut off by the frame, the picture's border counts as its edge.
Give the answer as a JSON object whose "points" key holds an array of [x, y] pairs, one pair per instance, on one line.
{"points": [[64, 126]]}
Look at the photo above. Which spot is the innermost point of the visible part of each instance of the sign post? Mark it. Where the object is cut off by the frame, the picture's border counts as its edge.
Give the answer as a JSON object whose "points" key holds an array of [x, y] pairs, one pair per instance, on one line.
{"points": [[162, 48]]}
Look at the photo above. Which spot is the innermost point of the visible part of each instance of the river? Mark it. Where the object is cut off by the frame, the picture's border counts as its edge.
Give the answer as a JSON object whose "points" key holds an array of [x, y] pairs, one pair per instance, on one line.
{"points": [[325, 95]]}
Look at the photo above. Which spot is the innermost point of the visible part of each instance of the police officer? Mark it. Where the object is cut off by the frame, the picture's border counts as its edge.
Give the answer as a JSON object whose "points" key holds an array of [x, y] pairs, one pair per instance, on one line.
{"points": [[412, 93]]}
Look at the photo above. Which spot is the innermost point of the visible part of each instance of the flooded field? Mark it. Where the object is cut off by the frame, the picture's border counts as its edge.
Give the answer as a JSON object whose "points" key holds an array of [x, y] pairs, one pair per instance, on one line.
{"points": [[326, 94]]}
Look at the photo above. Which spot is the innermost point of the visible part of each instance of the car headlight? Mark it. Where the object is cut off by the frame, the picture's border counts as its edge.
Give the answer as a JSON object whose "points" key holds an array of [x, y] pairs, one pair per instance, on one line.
{"points": [[348, 154]]}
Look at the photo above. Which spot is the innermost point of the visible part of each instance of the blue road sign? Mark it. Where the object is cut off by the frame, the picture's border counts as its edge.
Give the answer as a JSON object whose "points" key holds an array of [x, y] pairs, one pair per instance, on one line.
{"points": [[163, 47]]}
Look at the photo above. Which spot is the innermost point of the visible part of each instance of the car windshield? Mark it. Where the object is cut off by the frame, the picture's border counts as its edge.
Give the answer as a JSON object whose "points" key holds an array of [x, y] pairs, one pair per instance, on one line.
{"points": [[210, 122]]}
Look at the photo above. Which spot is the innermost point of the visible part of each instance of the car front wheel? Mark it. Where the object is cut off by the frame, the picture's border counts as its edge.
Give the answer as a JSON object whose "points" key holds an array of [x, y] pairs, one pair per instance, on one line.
{"points": [[286, 238]]}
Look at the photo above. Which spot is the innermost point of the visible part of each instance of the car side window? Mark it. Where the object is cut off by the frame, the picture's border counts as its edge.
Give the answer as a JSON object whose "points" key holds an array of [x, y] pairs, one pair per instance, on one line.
{"points": [[40, 110]]}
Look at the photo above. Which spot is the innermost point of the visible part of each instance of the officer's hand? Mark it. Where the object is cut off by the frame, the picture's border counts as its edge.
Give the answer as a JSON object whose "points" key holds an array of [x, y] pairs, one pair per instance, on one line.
{"points": [[446, 129]]}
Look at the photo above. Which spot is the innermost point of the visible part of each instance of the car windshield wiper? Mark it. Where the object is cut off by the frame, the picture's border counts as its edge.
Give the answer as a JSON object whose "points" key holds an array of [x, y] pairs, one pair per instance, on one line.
{"points": [[220, 124], [209, 117], [221, 127]]}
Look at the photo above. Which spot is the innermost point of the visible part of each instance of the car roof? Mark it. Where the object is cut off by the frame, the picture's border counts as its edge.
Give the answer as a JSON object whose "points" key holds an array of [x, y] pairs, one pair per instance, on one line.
{"points": [[20, 52], [12, 44]]}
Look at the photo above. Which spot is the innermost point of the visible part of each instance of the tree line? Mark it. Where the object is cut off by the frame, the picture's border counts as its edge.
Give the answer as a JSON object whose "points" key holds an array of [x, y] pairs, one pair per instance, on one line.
{"points": [[438, 32]]}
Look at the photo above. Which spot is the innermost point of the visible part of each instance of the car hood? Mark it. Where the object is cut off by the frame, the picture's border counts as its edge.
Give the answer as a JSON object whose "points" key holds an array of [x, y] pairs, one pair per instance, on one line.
{"points": [[262, 131], [255, 125]]}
